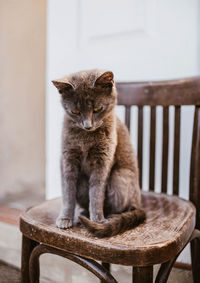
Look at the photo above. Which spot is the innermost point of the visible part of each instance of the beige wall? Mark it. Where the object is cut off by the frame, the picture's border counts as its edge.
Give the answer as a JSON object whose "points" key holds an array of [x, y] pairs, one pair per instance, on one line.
{"points": [[22, 95]]}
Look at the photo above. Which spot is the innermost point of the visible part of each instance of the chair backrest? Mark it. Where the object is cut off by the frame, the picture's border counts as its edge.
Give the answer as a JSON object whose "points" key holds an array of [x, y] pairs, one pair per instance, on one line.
{"points": [[175, 93]]}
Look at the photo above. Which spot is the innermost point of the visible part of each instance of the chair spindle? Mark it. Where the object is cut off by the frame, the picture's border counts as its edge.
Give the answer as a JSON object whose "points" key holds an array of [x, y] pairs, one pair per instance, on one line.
{"points": [[165, 145], [127, 116], [140, 142], [177, 118], [152, 149]]}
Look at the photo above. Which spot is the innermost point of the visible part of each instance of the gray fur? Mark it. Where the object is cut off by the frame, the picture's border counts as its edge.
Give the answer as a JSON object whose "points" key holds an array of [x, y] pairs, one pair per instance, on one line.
{"points": [[98, 164]]}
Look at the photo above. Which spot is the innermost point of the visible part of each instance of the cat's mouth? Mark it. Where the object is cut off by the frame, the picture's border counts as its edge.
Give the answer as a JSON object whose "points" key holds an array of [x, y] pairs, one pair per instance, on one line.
{"points": [[91, 129]]}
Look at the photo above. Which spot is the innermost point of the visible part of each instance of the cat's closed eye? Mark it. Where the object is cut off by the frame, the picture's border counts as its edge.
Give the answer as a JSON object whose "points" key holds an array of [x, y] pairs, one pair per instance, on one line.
{"points": [[77, 112], [97, 109]]}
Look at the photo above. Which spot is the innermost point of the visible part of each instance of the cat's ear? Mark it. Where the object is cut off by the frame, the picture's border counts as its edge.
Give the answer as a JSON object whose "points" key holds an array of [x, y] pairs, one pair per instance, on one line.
{"points": [[105, 80], [62, 86]]}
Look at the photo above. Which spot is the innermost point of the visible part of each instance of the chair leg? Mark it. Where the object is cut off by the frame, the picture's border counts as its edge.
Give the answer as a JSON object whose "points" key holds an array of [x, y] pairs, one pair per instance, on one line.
{"points": [[34, 266], [165, 270], [107, 267], [195, 255], [142, 274], [91, 265], [166, 267], [27, 247]]}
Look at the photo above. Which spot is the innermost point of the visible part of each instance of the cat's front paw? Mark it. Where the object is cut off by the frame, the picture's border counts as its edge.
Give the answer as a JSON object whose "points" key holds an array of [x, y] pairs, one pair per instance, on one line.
{"points": [[64, 222], [98, 219]]}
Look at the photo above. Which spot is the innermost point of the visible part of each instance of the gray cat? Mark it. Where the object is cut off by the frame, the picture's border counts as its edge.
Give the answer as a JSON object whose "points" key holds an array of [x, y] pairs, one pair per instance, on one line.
{"points": [[98, 164]]}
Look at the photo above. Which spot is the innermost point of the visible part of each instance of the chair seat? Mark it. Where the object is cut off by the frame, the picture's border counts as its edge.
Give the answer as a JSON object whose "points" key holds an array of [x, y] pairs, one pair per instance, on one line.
{"points": [[168, 226]]}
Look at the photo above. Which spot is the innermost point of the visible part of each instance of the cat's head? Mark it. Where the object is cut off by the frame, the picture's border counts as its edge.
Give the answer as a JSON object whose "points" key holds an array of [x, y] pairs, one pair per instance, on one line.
{"points": [[87, 97]]}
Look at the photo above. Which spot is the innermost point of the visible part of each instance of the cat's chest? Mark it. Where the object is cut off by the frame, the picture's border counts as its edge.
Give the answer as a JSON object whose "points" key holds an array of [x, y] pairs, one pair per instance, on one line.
{"points": [[87, 156], [91, 149], [83, 150], [85, 163]]}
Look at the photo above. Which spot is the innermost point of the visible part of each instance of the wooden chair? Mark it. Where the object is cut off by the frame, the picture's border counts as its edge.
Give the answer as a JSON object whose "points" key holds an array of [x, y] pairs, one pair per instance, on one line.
{"points": [[171, 221]]}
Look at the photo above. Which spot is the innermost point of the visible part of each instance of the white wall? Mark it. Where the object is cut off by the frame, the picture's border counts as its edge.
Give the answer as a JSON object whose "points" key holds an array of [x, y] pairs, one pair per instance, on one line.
{"points": [[137, 40], [22, 97]]}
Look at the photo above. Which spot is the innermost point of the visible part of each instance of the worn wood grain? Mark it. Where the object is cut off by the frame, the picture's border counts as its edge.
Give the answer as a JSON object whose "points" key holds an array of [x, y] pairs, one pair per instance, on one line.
{"points": [[165, 93], [170, 221]]}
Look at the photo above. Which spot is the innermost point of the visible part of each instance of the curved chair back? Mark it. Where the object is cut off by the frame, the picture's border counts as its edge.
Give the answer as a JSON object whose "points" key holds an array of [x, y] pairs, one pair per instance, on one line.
{"points": [[175, 93]]}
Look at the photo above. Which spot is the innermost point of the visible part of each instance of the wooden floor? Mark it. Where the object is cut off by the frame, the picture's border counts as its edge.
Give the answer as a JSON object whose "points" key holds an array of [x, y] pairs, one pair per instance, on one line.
{"points": [[9, 215], [12, 204], [22, 199]]}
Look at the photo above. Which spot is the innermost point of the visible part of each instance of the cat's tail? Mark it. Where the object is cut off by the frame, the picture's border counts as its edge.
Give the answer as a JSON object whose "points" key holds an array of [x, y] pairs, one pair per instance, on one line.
{"points": [[115, 224]]}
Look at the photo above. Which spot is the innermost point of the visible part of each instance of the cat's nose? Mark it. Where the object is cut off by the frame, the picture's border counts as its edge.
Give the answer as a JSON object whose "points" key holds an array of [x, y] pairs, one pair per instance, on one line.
{"points": [[87, 124]]}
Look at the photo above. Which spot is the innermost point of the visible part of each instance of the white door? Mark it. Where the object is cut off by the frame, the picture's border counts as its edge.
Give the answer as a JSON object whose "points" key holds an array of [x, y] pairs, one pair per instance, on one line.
{"points": [[137, 40]]}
